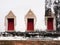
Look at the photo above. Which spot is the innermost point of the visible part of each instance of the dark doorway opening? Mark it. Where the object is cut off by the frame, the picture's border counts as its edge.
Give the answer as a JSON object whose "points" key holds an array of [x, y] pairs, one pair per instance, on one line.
{"points": [[30, 24], [10, 24], [50, 24]]}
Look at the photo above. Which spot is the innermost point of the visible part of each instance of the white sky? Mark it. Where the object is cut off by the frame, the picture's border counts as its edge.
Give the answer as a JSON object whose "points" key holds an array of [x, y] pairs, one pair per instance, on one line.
{"points": [[20, 9]]}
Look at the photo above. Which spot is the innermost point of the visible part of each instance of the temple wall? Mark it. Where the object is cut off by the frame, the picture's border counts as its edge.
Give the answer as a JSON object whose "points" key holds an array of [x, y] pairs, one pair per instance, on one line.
{"points": [[29, 42]]}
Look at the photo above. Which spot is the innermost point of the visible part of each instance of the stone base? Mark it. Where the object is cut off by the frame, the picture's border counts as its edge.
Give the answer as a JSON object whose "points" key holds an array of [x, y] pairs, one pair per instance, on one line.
{"points": [[28, 42]]}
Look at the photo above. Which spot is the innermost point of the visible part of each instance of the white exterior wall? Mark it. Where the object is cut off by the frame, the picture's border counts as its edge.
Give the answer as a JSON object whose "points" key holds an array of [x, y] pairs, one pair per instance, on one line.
{"points": [[20, 9]]}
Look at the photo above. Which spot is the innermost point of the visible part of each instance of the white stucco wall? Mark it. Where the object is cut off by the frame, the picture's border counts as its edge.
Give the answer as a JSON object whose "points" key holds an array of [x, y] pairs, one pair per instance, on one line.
{"points": [[20, 8]]}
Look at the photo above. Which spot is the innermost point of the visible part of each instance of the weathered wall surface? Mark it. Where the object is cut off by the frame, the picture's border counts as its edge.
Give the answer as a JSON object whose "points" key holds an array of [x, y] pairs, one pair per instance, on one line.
{"points": [[29, 42]]}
